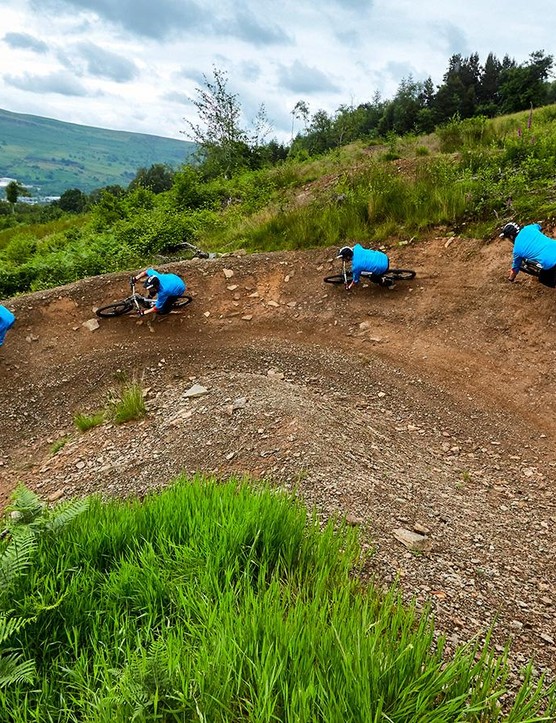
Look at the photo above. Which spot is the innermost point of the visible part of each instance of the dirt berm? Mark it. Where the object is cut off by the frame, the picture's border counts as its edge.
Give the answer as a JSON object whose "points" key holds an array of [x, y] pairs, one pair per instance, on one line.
{"points": [[428, 408]]}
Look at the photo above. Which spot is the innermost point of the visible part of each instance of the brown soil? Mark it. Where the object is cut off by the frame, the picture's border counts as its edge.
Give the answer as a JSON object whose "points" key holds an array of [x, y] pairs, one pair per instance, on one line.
{"points": [[430, 407]]}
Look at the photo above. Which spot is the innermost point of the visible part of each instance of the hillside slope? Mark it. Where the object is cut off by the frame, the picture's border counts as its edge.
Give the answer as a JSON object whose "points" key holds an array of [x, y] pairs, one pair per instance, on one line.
{"points": [[430, 407], [51, 156]]}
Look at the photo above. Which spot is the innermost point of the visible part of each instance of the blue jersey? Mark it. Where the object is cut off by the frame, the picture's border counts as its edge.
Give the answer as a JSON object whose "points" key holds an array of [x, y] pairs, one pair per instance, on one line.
{"points": [[7, 320], [170, 285], [367, 260], [531, 244]]}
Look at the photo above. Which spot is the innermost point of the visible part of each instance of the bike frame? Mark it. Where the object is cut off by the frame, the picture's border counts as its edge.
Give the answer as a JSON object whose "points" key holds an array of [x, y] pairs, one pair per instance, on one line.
{"points": [[135, 296], [344, 271]]}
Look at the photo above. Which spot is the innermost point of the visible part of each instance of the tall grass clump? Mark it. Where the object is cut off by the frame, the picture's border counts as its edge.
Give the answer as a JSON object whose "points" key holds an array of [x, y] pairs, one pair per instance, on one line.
{"points": [[227, 602], [129, 404]]}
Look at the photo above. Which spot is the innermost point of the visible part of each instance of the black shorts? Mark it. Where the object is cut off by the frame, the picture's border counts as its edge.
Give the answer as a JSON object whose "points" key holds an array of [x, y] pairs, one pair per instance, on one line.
{"points": [[166, 307], [548, 277]]}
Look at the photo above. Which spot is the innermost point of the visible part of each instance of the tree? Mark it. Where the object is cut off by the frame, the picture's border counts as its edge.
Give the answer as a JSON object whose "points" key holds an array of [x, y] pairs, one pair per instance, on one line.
{"points": [[301, 112], [14, 190], [224, 145], [487, 90], [158, 178], [525, 85], [73, 200]]}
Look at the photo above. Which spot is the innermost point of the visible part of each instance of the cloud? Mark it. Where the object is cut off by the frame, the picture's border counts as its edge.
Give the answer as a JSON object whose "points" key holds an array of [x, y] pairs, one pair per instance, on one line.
{"points": [[175, 96], [245, 26], [158, 20], [453, 40], [250, 71], [301, 78], [105, 64], [25, 42], [62, 82]]}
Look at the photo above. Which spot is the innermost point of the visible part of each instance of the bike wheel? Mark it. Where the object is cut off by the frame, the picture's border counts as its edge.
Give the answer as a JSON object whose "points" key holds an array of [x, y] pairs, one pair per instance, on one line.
{"points": [[182, 301], [338, 279], [400, 274], [116, 309]]}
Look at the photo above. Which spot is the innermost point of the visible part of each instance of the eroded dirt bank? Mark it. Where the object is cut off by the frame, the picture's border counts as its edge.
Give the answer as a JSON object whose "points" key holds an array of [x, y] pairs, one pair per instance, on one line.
{"points": [[430, 408]]}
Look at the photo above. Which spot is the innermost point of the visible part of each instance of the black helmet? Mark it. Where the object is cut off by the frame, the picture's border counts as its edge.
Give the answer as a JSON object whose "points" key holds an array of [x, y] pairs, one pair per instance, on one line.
{"points": [[510, 231], [152, 285], [345, 253]]}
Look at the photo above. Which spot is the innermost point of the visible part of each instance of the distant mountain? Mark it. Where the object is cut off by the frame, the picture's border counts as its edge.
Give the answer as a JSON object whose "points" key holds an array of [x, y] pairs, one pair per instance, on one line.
{"points": [[50, 156]]}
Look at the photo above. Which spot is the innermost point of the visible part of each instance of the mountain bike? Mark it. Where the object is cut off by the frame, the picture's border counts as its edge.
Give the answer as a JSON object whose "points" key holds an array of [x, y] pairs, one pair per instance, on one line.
{"points": [[392, 274], [136, 302]]}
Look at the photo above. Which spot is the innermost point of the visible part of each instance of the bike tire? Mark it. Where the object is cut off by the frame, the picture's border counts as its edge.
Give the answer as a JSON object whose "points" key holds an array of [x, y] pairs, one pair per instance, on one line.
{"points": [[339, 278], [182, 301], [117, 309], [400, 274]]}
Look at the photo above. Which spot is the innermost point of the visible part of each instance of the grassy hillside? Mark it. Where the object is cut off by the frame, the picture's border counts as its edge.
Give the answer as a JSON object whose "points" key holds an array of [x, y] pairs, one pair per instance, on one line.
{"points": [[52, 156], [468, 178]]}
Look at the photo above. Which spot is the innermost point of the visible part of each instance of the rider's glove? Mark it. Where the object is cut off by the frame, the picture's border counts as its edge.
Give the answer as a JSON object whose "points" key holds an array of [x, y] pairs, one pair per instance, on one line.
{"points": [[141, 312], [133, 280]]}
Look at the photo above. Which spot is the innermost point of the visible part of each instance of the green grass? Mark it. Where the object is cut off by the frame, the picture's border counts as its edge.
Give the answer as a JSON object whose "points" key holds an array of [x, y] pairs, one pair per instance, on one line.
{"points": [[84, 422], [229, 603], [129, 405], [472, 174], [58, 445]]}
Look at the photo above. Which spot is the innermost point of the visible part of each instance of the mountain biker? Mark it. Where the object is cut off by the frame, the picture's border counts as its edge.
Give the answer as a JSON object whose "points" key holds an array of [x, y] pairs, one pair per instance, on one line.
{"points": [[164, 288], [531, 244], [374, 262], [7, 320]]}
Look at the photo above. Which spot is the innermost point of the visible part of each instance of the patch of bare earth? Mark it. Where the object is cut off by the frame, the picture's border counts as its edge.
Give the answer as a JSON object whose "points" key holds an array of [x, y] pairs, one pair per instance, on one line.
{"points": [[425, 414]]}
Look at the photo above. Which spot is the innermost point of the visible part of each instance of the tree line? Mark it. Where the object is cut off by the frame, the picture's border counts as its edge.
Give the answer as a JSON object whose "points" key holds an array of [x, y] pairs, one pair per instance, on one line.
{"points": [[468, 89], [226, 146]]}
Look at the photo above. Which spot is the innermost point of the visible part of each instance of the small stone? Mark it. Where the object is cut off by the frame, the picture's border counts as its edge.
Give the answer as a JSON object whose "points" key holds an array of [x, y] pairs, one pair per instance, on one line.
{"points": [[228, 273], [91, 324], [353, 520], [247, 317], [412, 540], [55, 496], [197, 390]]}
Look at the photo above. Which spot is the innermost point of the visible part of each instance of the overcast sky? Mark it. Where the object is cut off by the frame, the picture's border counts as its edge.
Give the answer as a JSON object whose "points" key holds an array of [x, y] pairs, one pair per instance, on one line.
{"points": [[134, 64]]}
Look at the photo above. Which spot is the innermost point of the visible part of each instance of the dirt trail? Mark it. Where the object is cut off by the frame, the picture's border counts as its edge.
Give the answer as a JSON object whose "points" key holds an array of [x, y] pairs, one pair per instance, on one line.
{"points": [[430, 407]]}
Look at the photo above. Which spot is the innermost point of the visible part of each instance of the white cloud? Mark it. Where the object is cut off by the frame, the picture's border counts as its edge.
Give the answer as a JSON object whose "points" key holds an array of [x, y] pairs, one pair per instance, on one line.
{"points": [[134, 64]]}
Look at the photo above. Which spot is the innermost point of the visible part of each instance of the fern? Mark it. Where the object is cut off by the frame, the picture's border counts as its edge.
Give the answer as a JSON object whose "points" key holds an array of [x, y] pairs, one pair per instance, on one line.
{"points": [[26, 504], [64, 513], [14, 670], [32, 518], [9, 626], [16, 557]]}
